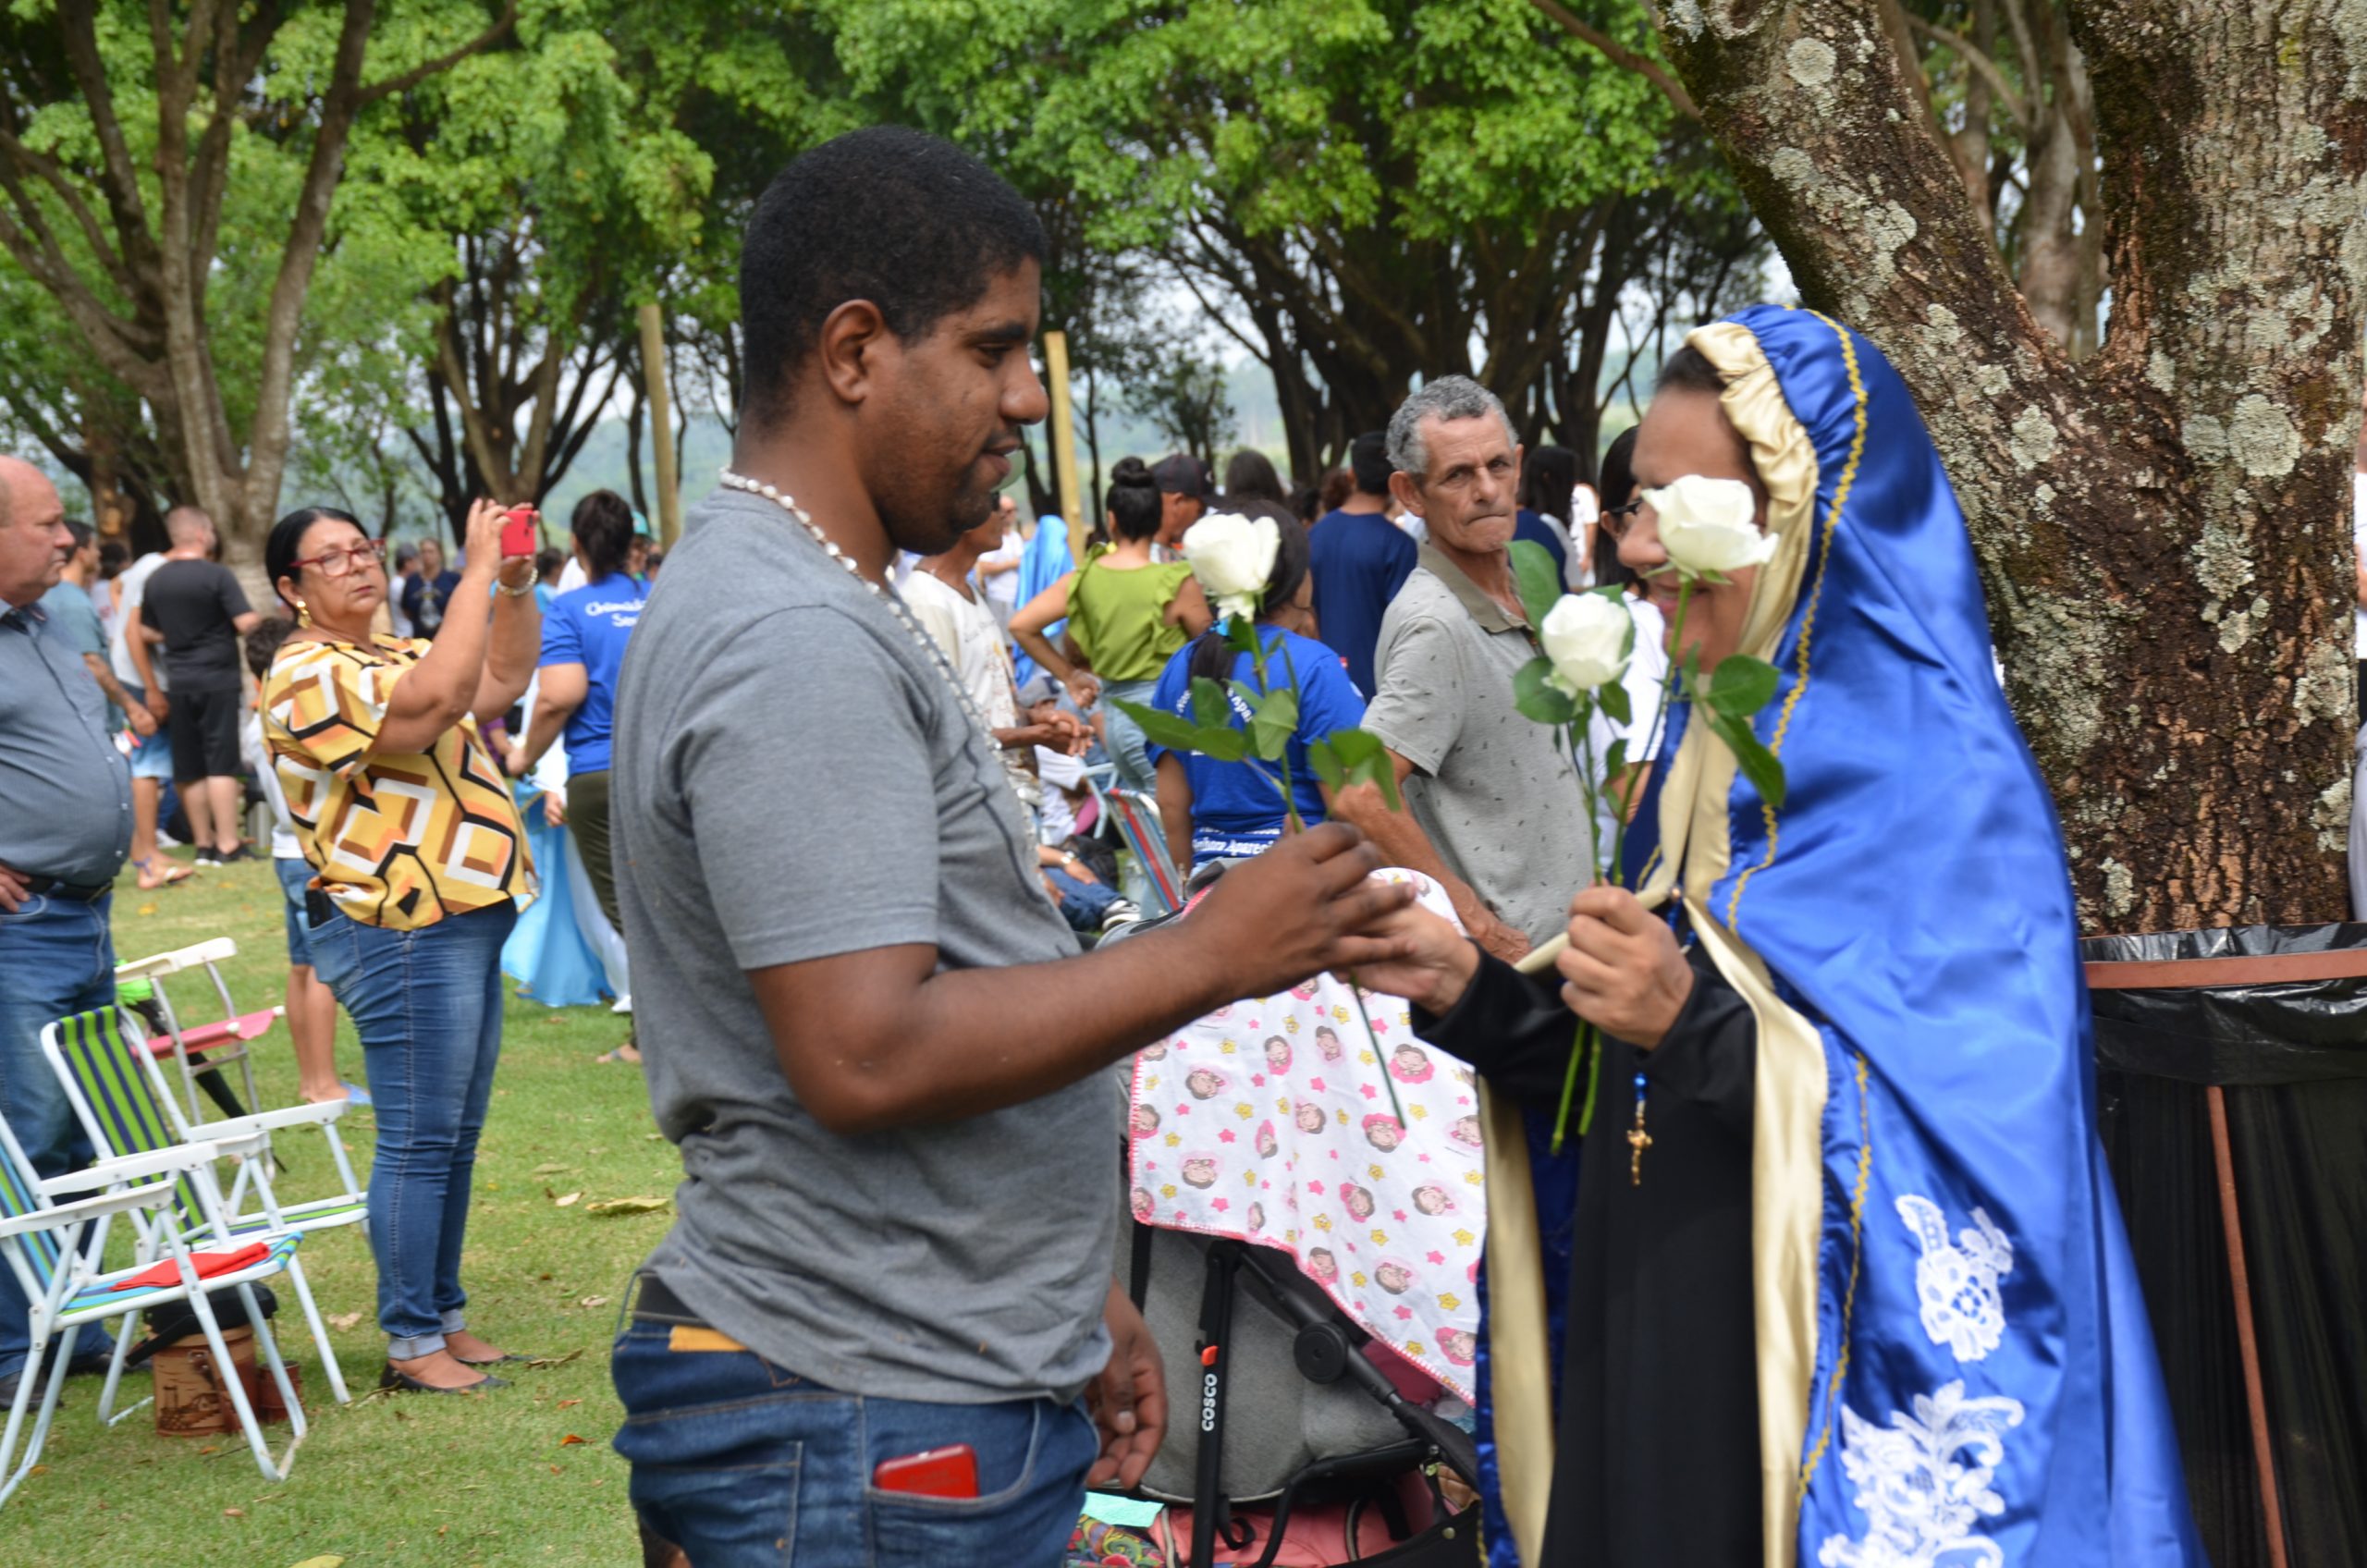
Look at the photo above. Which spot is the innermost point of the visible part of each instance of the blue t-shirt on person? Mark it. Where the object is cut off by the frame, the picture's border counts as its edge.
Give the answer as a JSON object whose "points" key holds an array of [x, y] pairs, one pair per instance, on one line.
{"points": [[1237, 806], [1358, 561], [590, 626]]}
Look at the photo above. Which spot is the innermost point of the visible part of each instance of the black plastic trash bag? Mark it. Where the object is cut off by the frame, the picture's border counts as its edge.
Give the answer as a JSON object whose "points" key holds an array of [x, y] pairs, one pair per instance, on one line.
{"points": [[2274, 1018]]}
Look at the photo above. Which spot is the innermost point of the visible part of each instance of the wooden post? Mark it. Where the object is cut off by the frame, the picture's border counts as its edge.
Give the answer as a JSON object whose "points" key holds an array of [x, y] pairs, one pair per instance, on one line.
{"points": [[1056, 369], [661, 425], [2231, 1226]]}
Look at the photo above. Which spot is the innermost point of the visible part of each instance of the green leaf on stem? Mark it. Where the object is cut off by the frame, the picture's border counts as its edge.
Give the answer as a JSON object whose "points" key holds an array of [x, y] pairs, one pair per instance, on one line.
{"points": [[1533, 574], [1758, 764], [1613, 698], [1615, 761], [1160, 729], [1328, 767], [1209, 705], [1741, 685], [1275, 721], [1241, 635], [1537, 698], [1363, 759]]}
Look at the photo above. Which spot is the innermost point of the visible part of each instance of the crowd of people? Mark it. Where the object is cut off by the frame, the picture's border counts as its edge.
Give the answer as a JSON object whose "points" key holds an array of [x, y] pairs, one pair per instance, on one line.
{"points": [[901, 1197]]}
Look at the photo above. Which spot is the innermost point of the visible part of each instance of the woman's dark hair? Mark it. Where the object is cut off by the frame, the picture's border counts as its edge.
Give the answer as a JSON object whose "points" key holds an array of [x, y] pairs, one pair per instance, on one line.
{"points": [[1618, 489], [602, 523], [549, 562], [1548, 476], [285, 544], [1134, 501], [1212, 658], [1689, 369], [113, 556], [1306, 503], [1337, 485], [1250, 477]]}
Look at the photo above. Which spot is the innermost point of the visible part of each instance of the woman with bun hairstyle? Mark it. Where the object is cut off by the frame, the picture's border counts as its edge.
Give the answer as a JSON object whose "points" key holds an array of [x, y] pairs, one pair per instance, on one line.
{"points": [[1127, 615]]}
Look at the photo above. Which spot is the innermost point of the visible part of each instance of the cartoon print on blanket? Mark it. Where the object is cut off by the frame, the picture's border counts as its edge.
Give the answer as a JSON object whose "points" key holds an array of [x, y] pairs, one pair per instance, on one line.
{"points": [[1269, 1121]]}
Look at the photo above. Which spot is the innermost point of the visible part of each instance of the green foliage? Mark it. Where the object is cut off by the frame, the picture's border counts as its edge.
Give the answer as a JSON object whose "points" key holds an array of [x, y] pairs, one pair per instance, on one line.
{"points": [[1535, 578], [1537, 698], [1355, 756]]}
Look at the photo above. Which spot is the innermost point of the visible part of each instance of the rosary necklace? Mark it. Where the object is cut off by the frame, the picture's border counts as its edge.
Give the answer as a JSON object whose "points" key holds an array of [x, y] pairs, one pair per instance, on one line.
{"points": [[895, 603]]}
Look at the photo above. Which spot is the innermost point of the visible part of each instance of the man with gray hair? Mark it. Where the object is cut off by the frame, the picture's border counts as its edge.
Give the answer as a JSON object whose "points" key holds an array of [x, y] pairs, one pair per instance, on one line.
{"points": [[1494, 806]]}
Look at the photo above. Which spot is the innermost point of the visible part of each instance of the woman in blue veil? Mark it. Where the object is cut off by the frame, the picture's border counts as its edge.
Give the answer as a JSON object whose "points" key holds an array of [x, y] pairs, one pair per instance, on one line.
{"points": [[1045, 560], [1848, 1282]]}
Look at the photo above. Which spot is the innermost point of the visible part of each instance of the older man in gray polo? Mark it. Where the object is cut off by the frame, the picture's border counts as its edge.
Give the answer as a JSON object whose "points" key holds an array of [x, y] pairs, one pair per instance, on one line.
{"points": [[65, 828], [1494, 810]]}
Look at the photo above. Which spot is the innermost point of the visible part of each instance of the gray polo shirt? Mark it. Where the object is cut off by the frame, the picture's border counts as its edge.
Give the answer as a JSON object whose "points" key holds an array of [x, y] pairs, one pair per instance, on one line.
{"points": [[1499, 801], [795, 778], [68, 791]]}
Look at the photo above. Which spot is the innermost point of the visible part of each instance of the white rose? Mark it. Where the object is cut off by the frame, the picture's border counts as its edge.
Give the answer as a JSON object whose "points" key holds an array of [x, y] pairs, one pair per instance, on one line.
{"points": [[1710, 525], [1587, 638], [1234, 558]]}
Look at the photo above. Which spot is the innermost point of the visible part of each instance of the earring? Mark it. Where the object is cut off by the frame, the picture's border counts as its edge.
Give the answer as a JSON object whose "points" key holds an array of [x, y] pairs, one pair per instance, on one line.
{"points": [[303, 615]]}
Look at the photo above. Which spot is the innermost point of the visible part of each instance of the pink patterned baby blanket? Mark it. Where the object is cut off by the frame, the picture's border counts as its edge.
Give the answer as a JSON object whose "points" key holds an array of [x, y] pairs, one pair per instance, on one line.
{"points": [[1271, 1121]]}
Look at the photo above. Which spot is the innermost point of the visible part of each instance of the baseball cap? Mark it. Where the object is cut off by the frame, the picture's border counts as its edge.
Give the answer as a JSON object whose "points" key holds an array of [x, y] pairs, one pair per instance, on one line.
{"points": [[1037, 688], [1179, 474]]}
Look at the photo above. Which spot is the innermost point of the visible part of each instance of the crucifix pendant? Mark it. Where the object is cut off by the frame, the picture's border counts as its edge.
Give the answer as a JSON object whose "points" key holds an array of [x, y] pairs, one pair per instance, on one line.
{"points": [[1638, 1139]]}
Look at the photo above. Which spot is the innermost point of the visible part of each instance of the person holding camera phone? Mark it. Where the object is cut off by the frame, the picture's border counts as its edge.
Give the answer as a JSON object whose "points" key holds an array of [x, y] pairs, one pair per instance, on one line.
{"points": [[421, 861]]}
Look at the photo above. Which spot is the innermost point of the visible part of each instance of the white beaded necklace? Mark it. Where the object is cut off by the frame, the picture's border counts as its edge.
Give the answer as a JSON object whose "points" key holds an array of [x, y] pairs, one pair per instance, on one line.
{"points": [[893, 601]]}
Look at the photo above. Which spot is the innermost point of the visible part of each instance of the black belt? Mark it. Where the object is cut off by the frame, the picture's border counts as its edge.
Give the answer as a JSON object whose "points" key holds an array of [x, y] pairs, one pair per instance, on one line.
{"points": [[654, 1303], [75, 892]]}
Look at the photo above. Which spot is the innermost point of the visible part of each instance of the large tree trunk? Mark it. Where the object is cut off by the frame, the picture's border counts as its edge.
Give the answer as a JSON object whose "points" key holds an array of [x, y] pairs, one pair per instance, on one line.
{"points": [[2162, 530]]}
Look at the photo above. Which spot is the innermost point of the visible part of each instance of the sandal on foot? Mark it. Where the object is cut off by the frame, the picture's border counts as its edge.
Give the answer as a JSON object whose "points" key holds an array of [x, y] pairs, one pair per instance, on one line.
{"points": [[403, 1382], [626, 1052], [173, 876]]}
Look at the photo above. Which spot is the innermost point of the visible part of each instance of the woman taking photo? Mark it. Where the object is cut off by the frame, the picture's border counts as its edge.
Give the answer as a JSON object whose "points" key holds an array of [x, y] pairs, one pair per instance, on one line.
{"points": [[1127, 615], [421, 861], [1213, 810]]}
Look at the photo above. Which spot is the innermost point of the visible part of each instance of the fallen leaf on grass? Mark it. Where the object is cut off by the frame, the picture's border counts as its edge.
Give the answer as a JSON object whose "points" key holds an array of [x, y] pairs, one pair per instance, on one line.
{"points": [[234, 1513], [593, 1300], [147, 909], [344, 1321], [626, 1205], [570, 1437], [322, 1561], [550, 1168], [565, 1403], [544, 1362], [655, 1137], [570, 1199]]}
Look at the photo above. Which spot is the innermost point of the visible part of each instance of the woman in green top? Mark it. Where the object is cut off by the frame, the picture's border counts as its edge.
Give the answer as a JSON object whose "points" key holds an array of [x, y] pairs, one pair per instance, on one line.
{"points": [[1127, 614]]}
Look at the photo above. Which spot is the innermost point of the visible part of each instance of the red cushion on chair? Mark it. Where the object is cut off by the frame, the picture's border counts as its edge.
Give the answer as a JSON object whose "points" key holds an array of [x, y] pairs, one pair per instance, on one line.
{"points": [[207, 1264], [244, 1027]]}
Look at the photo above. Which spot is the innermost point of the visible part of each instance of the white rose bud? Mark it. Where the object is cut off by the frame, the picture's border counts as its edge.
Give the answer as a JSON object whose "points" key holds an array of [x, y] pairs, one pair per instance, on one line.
{"points": [[1587, 638], [1710, 525], [1234, 558]]}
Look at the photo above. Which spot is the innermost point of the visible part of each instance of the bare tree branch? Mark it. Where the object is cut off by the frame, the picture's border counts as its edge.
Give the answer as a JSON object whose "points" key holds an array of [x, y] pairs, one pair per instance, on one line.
{"points": [[1619, 54]]}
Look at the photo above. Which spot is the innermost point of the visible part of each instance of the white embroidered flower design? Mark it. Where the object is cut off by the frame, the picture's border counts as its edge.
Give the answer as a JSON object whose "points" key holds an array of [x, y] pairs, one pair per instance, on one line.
{"points": [[1956, 1283], [1921, 1502]]}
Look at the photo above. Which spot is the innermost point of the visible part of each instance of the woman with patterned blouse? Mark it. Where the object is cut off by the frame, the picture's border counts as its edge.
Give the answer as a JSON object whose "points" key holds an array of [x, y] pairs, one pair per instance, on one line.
{"points": [[420, 862]]}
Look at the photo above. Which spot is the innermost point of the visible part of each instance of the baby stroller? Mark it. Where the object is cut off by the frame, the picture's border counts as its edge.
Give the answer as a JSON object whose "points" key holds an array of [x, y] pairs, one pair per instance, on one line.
{"points": [[1276, 1411], [1287, 1442]]}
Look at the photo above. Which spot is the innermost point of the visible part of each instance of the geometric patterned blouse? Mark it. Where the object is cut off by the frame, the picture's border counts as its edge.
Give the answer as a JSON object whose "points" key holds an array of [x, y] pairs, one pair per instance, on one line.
{"points": [[399, 839]]}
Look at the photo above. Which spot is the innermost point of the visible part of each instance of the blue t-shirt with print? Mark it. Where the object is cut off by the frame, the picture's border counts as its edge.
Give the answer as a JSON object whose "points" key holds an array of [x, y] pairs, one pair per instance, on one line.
{"points": [[590, 626], [1237, 806]]}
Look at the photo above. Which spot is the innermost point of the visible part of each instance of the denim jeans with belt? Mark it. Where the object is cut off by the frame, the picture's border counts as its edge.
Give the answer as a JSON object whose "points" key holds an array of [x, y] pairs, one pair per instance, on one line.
{"points": [[428, 1006], [740, 1463], [56, 959], [1129, 748]]}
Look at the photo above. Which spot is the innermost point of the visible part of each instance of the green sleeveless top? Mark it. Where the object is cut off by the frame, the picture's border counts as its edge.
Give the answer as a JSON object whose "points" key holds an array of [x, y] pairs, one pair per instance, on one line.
{"points": [[1119, 619]]}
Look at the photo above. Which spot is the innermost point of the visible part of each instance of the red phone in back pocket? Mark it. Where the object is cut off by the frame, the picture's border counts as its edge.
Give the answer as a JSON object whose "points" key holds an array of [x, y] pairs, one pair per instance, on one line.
{"points": [[519, 535], [936, 1471]]}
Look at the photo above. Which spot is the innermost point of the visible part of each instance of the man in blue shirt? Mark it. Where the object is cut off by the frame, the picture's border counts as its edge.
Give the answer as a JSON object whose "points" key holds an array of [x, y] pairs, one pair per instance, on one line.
{"points": [[1360, 559], [425, 596], [63, 838]]}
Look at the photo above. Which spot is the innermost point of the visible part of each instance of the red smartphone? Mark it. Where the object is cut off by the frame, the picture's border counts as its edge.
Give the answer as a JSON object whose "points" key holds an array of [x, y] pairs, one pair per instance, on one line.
{"points": [[519, 535], [935, 1472]]}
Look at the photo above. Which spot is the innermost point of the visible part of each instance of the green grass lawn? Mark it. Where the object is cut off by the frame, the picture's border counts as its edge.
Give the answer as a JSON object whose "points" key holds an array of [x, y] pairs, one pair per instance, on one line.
{"points": [[392, 1479]]}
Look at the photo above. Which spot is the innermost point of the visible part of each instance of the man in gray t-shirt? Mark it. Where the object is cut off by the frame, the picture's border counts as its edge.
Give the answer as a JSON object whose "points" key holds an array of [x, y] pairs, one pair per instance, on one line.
{"points": [[869, 1031], [1495, 811]]}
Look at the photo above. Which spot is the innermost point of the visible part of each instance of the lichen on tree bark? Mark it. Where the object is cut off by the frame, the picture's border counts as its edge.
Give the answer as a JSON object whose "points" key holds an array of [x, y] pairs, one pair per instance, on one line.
{"points": [[2162, 528]]}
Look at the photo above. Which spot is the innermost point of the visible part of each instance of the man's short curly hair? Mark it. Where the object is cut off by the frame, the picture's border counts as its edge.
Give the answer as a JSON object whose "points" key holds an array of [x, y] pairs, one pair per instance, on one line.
{"points": [[909, 222]]}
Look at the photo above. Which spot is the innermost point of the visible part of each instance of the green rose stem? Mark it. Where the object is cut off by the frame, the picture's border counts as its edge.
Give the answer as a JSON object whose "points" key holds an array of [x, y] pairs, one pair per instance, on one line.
{"points": [[1587, 1046]]}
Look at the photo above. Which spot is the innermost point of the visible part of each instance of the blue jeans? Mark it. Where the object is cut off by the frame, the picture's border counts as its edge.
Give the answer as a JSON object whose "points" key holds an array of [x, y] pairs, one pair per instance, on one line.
{"points": [[740, 1463], [428, 1006], [56, 959], [1128, 748], [1084, 904]]}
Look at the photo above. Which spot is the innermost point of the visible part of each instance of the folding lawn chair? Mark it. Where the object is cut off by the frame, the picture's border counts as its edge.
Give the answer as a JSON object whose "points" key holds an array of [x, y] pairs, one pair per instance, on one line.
{"points": [[202, 1050], [1130, 812], [49, 1237], [119, 1095]]}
